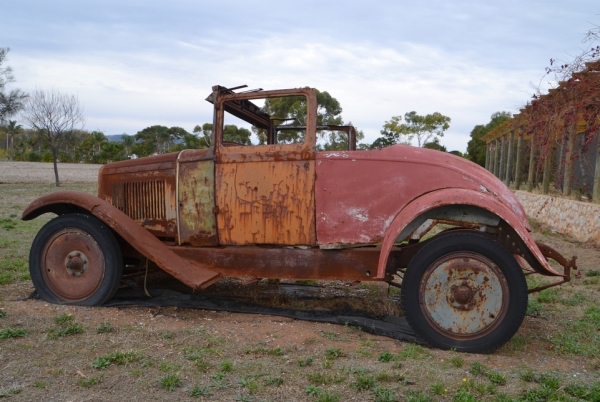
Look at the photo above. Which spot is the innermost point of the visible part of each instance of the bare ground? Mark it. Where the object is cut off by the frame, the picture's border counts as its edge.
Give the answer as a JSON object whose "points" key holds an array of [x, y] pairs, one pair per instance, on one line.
{"points": [[38, 172]]}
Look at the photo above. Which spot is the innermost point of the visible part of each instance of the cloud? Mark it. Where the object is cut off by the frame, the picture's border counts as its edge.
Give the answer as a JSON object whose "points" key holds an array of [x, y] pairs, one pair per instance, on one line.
{"points": [[125, 91]]}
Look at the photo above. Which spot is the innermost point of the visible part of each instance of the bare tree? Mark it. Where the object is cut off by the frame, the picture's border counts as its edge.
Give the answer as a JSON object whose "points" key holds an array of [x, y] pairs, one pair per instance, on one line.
{"points": [[10, 102], [53, 115]]}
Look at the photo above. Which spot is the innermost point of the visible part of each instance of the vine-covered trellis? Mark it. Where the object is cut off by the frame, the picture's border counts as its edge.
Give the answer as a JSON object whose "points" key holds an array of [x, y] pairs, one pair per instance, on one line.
{"points": [[552, 144]]}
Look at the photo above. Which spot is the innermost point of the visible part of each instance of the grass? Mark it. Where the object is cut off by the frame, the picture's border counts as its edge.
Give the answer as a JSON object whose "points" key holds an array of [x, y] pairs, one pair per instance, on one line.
{"points": [[170, 382]]}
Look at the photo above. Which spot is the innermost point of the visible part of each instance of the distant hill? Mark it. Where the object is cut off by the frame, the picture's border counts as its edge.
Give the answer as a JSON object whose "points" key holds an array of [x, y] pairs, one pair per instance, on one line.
{"points": [[114, 137]]}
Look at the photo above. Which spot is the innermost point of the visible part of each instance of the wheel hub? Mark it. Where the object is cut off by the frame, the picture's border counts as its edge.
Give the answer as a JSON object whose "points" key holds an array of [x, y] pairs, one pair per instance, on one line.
{"points": [[464, 295], [76, 263]]}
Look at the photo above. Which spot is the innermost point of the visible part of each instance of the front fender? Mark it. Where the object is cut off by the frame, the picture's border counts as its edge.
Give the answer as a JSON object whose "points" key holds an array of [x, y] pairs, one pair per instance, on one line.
{"points": [[194, 274], [456, 196]]}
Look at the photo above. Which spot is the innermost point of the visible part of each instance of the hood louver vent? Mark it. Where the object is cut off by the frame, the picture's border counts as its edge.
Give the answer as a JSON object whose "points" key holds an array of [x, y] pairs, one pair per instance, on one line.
{"points": [[140, 200]]}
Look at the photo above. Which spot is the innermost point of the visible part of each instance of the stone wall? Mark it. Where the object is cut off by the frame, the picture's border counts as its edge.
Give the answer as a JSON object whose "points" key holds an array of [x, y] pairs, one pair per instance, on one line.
{"points": [[579, 220]]}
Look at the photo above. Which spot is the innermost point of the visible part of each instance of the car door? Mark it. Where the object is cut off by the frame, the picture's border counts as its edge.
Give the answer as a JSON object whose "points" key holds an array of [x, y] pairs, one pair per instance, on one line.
{"points": [[265, 193]]}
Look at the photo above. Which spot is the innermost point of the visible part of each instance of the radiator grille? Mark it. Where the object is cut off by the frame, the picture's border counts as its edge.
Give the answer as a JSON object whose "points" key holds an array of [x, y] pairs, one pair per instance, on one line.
{"points": [[140, 199]]}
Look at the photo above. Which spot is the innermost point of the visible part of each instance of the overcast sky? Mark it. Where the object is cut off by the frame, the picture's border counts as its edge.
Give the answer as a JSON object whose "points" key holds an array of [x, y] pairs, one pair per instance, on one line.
{"points": [[135, 64]]}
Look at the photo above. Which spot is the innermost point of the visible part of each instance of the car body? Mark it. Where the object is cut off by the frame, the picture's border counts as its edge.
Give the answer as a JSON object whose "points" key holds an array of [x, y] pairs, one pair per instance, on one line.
{"points": [[283, 209]]}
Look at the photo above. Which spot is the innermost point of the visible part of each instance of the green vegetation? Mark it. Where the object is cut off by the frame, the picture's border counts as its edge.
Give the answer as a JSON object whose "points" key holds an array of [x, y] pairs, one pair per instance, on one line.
{"points": [[9, 333], [65, 325]]}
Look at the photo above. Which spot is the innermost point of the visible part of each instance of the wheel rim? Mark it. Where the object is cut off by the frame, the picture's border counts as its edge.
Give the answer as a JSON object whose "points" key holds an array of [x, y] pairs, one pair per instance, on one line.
{"points": [[72, 264], [464, 295]]}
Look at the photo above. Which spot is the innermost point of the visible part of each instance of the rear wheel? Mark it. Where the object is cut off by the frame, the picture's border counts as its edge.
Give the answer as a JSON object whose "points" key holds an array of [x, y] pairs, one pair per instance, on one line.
{"points": [[464, 291], [76, 259]]}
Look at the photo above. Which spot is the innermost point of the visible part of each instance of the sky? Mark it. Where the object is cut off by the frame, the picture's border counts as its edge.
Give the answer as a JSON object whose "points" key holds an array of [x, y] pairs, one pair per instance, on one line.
{"points": [[135, 64]]}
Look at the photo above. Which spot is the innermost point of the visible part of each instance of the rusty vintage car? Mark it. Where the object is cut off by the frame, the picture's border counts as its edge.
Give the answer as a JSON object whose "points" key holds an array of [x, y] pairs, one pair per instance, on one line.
{"points": [[283, 209]]}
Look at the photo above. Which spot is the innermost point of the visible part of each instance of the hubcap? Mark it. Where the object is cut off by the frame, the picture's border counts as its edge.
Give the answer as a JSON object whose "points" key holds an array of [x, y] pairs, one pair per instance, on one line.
{"points": [[464, 295]]}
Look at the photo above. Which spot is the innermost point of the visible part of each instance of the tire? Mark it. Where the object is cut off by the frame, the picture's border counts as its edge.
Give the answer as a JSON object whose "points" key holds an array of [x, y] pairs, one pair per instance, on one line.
{"points": [[466, 292], [76, 259]]}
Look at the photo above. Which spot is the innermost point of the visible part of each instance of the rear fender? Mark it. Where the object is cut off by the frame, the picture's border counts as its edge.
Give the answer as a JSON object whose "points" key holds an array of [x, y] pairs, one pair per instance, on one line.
{"points": [[479, 208], [193, 274]]}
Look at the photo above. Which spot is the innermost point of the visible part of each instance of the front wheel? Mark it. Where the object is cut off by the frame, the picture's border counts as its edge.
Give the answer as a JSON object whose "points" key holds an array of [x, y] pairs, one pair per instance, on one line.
{"points": [[75, 259], [466, 292]]}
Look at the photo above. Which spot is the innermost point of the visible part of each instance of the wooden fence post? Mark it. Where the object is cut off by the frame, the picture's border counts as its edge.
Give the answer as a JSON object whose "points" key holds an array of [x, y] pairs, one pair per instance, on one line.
{"points": [[509, 158], [546, 178], [570, 161], [596, 191], [531, 171], [519, 163], [502, 167], [496, 158]]}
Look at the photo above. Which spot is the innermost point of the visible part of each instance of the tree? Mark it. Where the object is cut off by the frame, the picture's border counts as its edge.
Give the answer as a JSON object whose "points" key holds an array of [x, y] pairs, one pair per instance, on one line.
{"points": [[435, 144], [128, 141], [53, 115], [292, 110], [11, 130], [206, 131], [10, 102], [424, 129], [476, 146]]}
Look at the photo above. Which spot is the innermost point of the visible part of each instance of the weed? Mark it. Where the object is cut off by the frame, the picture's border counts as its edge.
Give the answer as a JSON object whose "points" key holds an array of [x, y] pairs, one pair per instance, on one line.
{"points": [[41, 384], [305, 362], [438, 388], [87, 382], [323, 379], [592, 272], [463, 396], [413, 352], [518, 343], [9, 333], [226, 366], [2, 313], [367, 343], [548, 296], [166, 367], [414, 396], [166, 335], [383, 394], [457, 361], [65, 325], [170, 382], [585, 392], [105, 327], [386, 357], [7, 224], [328, 396], [244, 398], [534, 308], [119, 358], [56, 372], [200, 390], [276, 381], [496, 378], [5, 393], [549, 380], [363, 383], [202, 365], [478, 369], [312, 390], [333, 353], [250, 384], [384, 377], [327, 364], [527, 375], [64, 319]]}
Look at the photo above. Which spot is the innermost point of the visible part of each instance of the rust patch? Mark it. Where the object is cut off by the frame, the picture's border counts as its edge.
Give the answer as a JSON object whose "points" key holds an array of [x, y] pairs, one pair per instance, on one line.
{"points": [[197, 222], [266, 203]]}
